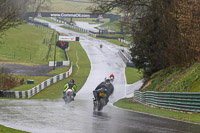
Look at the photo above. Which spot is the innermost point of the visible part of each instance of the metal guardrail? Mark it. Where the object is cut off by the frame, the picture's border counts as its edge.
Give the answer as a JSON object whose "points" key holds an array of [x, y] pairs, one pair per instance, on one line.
{"points": [[36, 89], [184, 101], [126, 60], [38, 23]]}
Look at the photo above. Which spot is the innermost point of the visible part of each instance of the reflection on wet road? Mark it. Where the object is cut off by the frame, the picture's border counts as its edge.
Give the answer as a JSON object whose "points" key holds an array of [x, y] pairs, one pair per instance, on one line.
{"points": [[53, 116]]}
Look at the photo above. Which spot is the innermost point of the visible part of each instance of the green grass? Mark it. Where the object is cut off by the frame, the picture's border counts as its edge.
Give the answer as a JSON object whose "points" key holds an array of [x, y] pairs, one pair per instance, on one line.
{"points": [[67, 6], [133, 75], [79, 75], [130, 105], [25, 44], [37, 80], [176, 80], [114, 26], [4, 129], [58, 70]]}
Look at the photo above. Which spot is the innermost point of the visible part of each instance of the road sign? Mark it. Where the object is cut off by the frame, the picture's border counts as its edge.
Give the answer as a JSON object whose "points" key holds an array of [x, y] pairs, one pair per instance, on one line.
{"points": [[62, 44], [68, 38]]}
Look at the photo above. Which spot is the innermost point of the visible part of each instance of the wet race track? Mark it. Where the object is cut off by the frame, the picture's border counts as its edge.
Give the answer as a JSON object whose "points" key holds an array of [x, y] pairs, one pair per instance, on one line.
{"points": [[53, 116], [43, 116]]}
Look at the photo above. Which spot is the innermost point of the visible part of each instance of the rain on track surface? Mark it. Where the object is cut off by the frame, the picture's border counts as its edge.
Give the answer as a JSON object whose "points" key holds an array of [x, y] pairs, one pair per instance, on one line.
{"points": [[53, 116]]}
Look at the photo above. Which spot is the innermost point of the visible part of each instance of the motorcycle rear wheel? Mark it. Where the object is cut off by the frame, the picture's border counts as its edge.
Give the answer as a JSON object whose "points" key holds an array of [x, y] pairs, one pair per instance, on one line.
{"points": [[100, 104]]}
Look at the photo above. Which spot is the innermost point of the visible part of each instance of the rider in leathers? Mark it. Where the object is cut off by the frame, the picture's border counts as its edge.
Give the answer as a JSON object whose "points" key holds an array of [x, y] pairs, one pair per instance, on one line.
{"points": [[106, 87], [70, 85]]}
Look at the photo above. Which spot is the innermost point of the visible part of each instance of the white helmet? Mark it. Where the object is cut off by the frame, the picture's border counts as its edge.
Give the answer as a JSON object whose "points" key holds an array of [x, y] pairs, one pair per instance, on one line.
{"points": [[107, 79]]}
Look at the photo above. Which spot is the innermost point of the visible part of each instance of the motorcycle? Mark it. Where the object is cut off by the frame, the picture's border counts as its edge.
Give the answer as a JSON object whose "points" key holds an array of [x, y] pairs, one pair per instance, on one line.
{"points": [[101, 45], [68, 96], [101, 101]]}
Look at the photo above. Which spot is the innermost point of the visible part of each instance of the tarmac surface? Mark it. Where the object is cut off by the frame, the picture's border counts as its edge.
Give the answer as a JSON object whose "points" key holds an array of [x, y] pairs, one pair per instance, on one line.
{"points": [[54, 116]]}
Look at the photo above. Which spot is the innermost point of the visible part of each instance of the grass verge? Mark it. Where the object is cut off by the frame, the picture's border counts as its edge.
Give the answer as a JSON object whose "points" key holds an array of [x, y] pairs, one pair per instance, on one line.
{"points": [[37, 80], [176, 80], [134, 106], [4, 129], [58, 70], [132, 75], [79, 58]]}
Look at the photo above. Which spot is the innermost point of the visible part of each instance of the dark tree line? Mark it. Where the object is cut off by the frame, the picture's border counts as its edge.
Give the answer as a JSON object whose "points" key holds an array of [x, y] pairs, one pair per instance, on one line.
{"points": [[165, 32]]}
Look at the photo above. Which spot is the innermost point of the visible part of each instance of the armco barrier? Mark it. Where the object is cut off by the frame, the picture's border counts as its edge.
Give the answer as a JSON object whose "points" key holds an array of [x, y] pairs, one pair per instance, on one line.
{"points": [[126, 59], [59, 63], [124, 41], [38, 23], [38, 88], [184, 101], [76, 28]]}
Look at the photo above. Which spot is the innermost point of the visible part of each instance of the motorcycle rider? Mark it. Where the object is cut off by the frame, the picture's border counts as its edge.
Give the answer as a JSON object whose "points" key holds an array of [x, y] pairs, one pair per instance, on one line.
{"points": [[70, 85], [105, 86]]}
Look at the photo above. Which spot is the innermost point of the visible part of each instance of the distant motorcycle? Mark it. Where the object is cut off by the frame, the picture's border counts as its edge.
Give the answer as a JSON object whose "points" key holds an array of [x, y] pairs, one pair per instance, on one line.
{"points": [[68, 96], [101, 101], [101, 45]]}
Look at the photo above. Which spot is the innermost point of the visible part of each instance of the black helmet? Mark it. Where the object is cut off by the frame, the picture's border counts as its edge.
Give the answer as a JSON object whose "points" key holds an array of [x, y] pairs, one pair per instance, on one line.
{"points": [[72, 80]]}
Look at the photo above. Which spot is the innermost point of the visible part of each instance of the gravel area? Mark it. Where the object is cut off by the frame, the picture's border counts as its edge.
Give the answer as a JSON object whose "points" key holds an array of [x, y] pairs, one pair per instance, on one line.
{"points": [[35, 70]]}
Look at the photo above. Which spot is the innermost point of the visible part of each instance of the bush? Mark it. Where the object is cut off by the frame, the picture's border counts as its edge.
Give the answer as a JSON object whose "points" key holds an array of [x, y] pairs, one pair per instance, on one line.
{"points": [[7, 81]]}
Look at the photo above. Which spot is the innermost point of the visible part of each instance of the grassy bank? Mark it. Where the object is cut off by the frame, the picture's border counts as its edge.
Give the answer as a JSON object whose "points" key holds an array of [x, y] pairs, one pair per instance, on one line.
{"points": [[67, 6], [37, 80], [169, 80], [132, 75], [21, 45], [176, 80], [131, 105], [79, 58]]}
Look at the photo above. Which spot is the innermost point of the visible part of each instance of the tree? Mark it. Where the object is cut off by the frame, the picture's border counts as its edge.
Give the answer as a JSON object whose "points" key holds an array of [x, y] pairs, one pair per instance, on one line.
{"points": [[13, 12], [187, 14], [165, 32], [37, 5], [144, 18], [10, 15]]}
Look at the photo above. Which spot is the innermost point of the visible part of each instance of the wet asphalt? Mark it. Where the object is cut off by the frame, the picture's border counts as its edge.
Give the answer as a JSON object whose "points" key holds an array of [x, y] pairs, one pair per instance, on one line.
{"points": [[54, 116]]}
